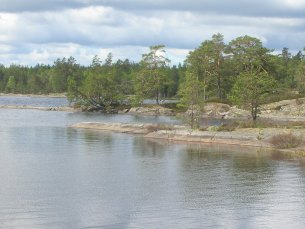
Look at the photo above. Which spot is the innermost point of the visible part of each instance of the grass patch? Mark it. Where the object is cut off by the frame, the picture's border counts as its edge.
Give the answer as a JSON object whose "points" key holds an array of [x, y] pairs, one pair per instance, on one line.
{"points": [[231, 126], [286, 141]]}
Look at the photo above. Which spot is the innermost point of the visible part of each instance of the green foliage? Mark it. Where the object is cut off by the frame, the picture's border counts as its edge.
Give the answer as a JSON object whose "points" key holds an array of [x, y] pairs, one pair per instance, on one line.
{"points": [[300, 77], [11, 85], [101, 89], [251, 89], [63, 68], [248, 54], [243, 69], [207, 63], [98, 87], [191, 94], [151, 78], [253, 83]]}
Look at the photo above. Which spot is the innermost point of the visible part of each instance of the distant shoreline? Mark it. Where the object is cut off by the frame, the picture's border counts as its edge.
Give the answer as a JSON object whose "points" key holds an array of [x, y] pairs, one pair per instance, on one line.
{"points": [[51, 95], [65, 108]]}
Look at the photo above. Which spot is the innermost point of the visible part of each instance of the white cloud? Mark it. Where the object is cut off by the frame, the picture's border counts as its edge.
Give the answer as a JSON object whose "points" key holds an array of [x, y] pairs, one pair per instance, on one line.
{"points": [[8, 26], [294, 4], [41, 31]]}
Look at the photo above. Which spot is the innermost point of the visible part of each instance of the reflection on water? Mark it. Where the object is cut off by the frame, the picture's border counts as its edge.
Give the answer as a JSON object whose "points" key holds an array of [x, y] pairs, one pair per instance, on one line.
{"points": [[53, 176]]}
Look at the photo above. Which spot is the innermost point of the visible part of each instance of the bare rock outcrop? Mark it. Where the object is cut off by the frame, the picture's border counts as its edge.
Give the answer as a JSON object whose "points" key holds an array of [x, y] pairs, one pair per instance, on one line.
{"points": [[288, 108], [151, 110], [254, 137]]}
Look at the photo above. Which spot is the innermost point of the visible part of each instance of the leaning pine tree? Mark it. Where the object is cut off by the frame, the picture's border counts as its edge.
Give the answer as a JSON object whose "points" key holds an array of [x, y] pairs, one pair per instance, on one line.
{"points": [[98, 89]]}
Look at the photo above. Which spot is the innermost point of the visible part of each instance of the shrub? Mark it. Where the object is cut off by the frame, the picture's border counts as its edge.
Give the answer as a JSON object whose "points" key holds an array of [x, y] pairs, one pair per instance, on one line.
{"points": [[286, 141], [228, 127], [203, 128], [160, 126]]}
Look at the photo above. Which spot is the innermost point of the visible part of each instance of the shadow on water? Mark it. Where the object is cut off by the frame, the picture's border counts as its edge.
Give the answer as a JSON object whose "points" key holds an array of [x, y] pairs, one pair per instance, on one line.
{"points": [[90, 136]]}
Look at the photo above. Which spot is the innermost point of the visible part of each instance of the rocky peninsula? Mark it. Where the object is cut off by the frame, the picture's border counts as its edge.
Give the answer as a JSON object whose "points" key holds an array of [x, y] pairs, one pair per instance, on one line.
{"points": [[253, 137], [289, 113]]}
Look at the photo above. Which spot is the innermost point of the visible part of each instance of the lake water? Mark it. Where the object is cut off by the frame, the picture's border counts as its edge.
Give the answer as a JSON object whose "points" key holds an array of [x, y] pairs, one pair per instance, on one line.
{"points": [[53, 176], [33, 101]]}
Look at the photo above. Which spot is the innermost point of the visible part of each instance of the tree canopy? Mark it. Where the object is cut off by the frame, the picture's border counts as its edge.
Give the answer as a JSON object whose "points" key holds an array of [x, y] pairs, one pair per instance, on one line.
{"points": [[241, 71], [152, 77]]}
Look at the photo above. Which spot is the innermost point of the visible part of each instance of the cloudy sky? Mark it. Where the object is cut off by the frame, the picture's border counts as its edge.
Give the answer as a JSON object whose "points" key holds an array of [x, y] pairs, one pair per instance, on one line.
{"points": [[39, 31]]}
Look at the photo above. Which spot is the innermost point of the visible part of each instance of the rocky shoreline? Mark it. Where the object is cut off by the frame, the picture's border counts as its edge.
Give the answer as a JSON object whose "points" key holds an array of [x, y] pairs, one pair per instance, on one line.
{"points": [[285, 110], [251, 137]]}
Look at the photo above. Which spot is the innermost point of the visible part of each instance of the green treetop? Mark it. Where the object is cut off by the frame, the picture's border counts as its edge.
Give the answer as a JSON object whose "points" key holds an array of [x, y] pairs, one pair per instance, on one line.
{"points": [[152, 76]]}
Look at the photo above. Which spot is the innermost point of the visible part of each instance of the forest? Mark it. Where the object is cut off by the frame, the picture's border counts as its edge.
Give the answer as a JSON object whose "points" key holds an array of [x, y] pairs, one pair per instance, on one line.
{"points": [[241, 72]]}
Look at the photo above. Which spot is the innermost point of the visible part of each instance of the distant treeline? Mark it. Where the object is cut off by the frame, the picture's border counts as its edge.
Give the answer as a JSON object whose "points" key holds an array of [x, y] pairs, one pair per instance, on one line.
{"points": [[45, 79], [215, 70]]}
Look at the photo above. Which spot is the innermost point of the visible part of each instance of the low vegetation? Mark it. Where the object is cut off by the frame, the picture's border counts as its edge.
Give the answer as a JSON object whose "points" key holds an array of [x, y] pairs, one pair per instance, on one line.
{"points": [[233, 125], [228, 127], [159, 126], [286, 141]]}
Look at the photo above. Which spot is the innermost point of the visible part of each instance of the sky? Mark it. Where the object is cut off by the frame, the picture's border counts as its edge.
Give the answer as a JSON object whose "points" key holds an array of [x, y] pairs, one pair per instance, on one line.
{"points": [[40, 31]]}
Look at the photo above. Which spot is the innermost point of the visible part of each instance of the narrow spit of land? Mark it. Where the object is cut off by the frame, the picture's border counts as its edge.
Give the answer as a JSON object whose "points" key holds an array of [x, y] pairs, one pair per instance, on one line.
{"points": [[286, 110], [290, 111], [253, 137]]}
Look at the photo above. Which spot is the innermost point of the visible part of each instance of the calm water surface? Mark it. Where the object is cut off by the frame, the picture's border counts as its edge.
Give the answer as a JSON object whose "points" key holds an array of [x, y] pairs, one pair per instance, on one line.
{"points": [[53, 176], [33, 101]]}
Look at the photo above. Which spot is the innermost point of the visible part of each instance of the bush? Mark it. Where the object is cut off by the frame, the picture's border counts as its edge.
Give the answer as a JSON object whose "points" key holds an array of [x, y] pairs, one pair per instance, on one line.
{"points": [[228, 127], [286, 141], [159, 126]]}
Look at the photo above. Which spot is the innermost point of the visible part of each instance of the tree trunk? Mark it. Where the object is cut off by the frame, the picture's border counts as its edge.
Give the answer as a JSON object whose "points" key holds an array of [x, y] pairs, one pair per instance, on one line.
{"points": [[254, 112], [157, 97], [219, 88]]}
